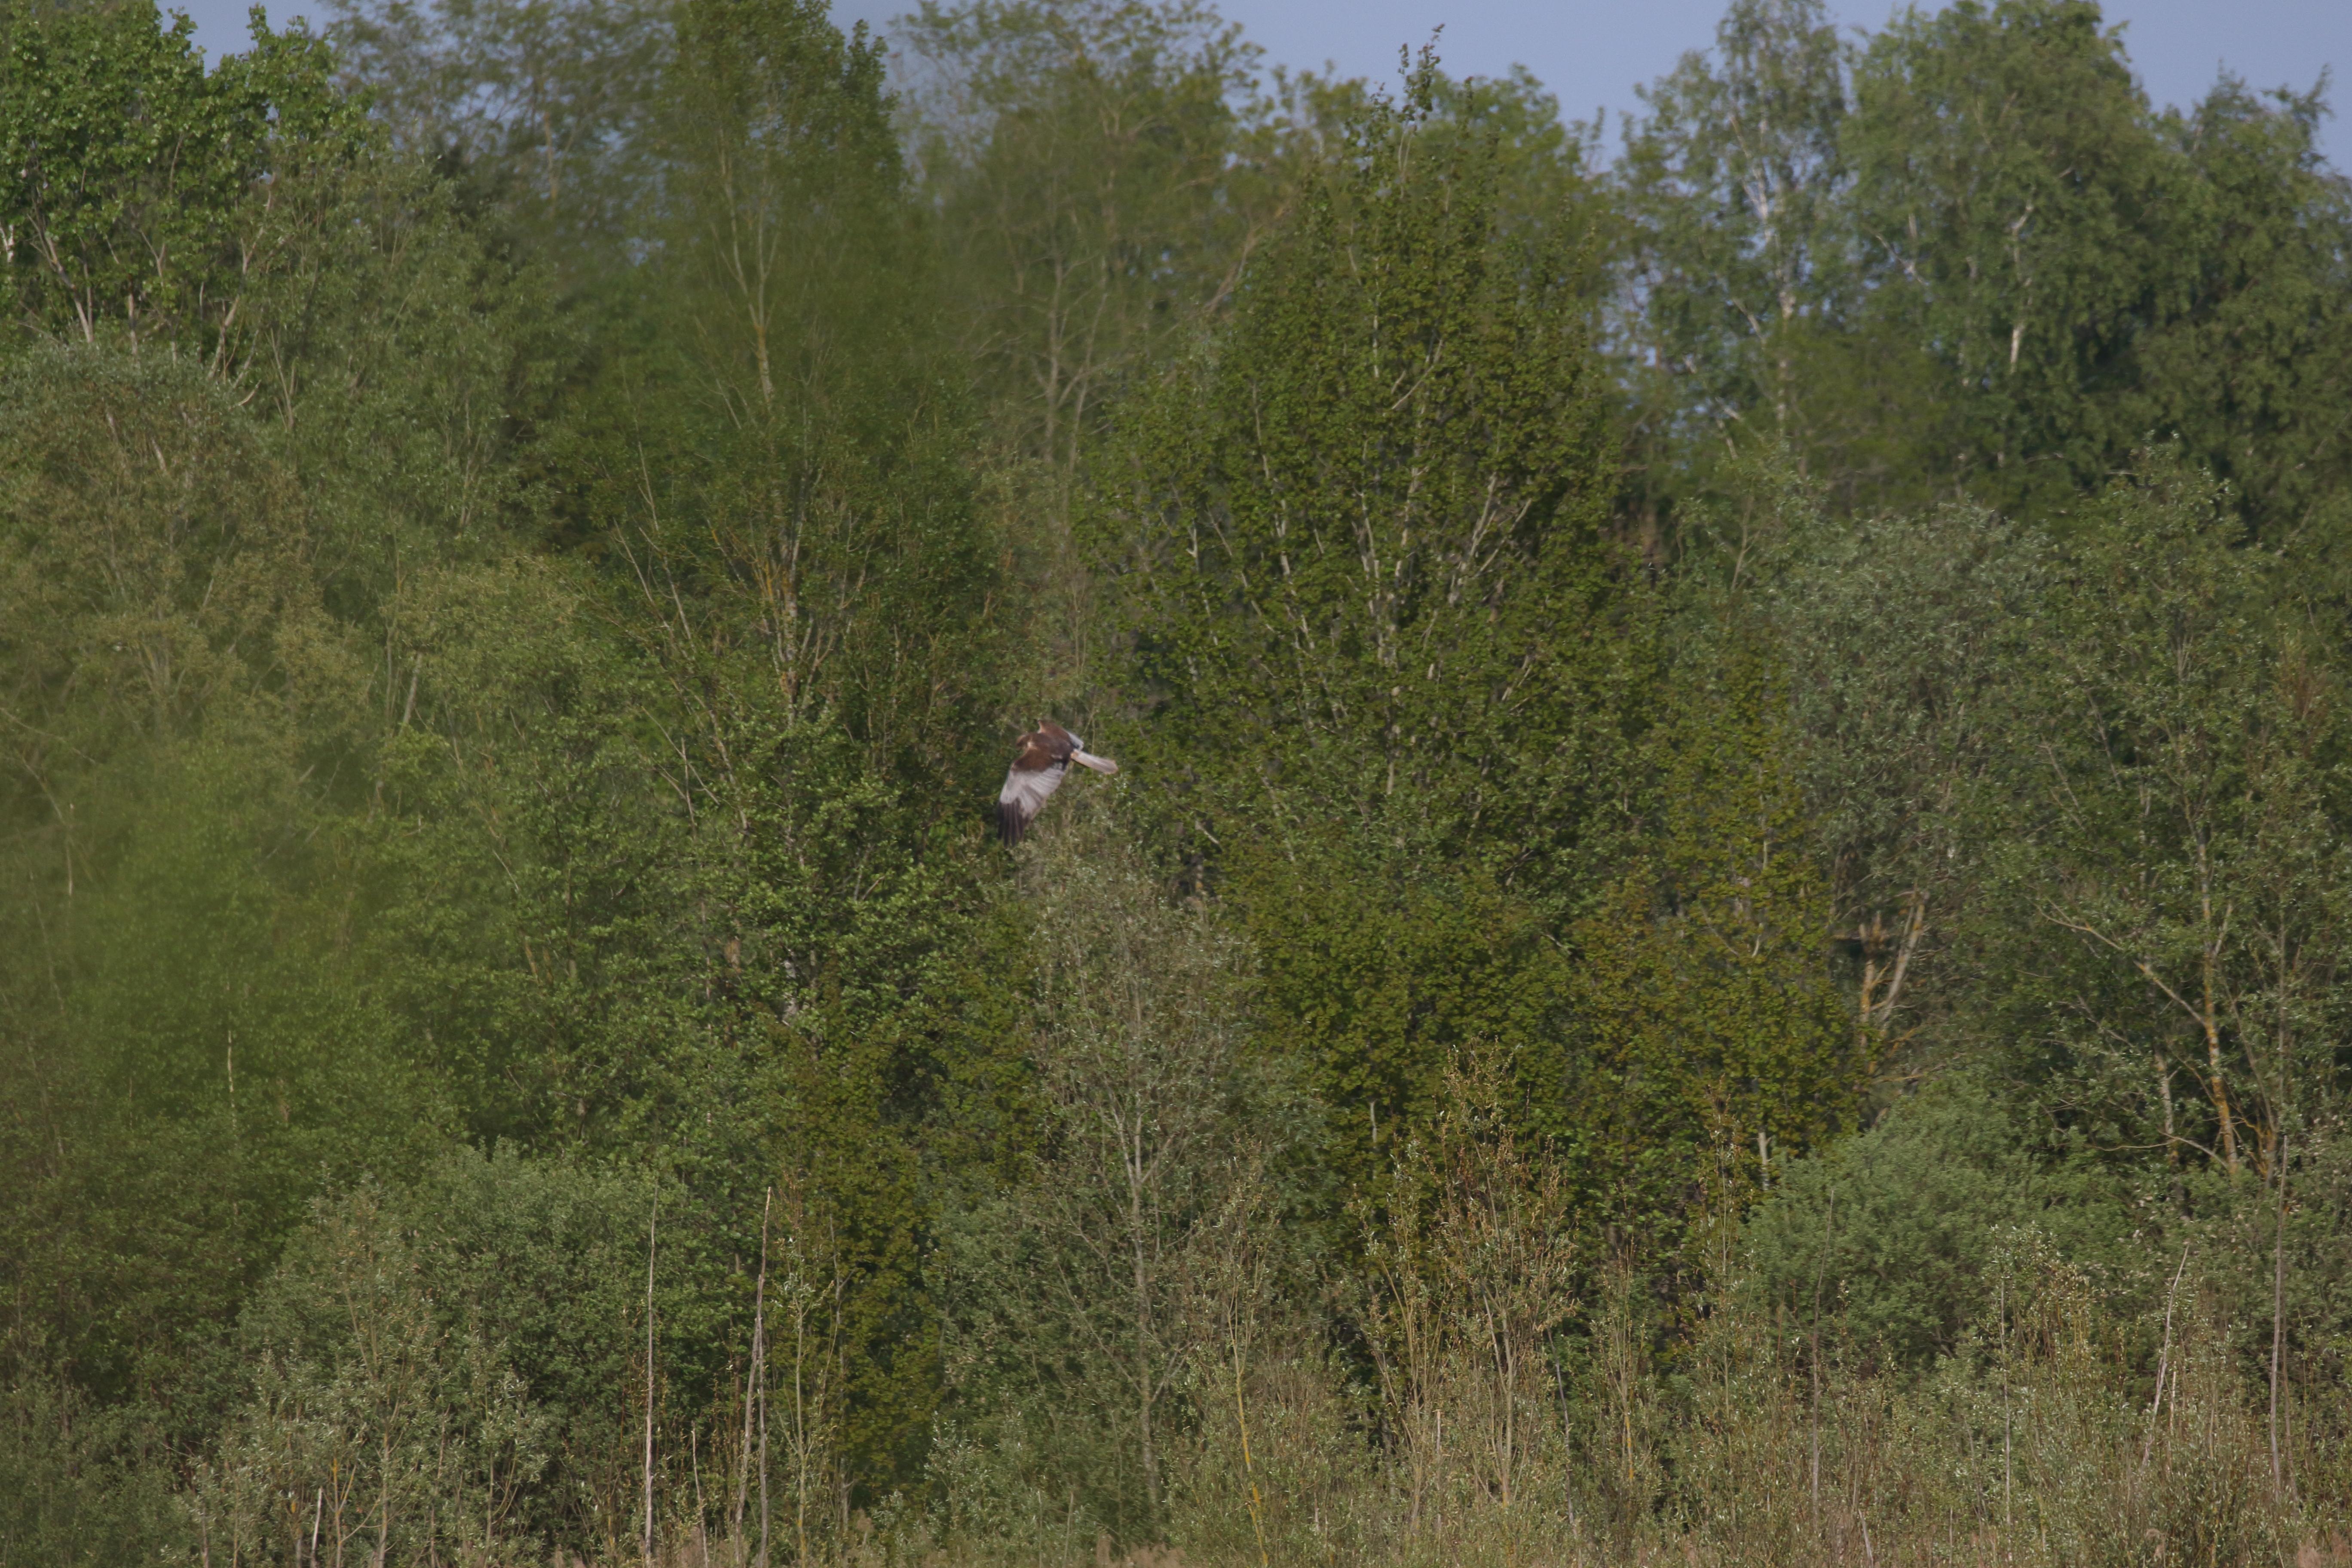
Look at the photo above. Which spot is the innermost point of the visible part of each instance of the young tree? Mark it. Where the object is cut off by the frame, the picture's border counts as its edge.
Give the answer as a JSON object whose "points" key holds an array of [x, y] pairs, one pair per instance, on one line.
{"points": [[1709, 1038], [1906, 640], [1468, 1278], [543, 112], [148, 200], [804, 598], [2008, 201], [1077, 1298], [2177, 792], [1098, 187], [1970, 258], [1387, 666], [2247, 363], [1733, 182], [1099, 172], [1357, 542]]}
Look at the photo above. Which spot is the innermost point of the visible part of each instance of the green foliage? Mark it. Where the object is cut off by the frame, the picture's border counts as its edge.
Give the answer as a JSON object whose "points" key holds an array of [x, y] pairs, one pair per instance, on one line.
{"points": [[1376, 990], [2176, 858], [522, 530], [1731, 183], [405, 1433], [1908, 640], [158, 559], [2002, 157], [80, 1485], [1707, 1028], [1466, 1281], [1969, 258], [1905, 1219], [539, 114], [806, 593], [1085, 1288], [810, 520], [1100, 165], [2251, 350], [1547, 186], [454, 1361], [1365, 587], [1388, 671], [149, 197], [179, 694]]}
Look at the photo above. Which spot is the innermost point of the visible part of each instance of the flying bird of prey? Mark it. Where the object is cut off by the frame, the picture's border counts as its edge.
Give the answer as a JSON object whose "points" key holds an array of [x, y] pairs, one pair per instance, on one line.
{"points": [[1046, 754]]}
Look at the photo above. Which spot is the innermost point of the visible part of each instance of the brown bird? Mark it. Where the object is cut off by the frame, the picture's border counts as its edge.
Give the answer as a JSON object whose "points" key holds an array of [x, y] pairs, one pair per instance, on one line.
{"points": [[1046, 754]]}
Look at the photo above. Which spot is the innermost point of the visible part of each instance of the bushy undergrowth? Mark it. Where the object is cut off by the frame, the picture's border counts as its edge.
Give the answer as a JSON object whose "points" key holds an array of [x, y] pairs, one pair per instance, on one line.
{"points": [[2096, 1393]]}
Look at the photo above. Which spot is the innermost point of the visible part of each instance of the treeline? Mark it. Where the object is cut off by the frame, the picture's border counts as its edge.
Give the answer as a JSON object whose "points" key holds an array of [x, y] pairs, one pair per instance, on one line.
{"points": [[1723, 933]]}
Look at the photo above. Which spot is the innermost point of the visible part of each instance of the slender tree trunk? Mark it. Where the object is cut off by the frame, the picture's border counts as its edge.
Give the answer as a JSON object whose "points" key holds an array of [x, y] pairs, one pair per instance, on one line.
{"points": [[754, 1388], [652, 1226], [2163, 1361], [1241, 1418], [2278, 1313], [2220, 1092], [1821, 1266], [2164, 1090], [2001, 1311], [2214, 1033], [1147, 1376]]}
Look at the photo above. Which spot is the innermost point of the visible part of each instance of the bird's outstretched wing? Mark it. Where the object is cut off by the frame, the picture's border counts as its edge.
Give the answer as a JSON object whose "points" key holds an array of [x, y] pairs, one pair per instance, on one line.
{"points": [[1029, 784], [1046, 754]]}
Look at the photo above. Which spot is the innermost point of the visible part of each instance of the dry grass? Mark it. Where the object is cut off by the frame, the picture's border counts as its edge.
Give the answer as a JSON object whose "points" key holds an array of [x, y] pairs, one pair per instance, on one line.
{"points": [[2039, 1444]]}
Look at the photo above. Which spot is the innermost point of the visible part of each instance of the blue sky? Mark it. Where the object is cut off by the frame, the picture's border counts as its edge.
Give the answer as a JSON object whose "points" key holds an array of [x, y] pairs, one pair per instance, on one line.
{"points": [[1593, 54]]}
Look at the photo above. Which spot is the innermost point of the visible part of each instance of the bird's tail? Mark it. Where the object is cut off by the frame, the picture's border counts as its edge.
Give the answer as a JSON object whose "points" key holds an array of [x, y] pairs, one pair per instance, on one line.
{"points": [[1099, 764]]}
